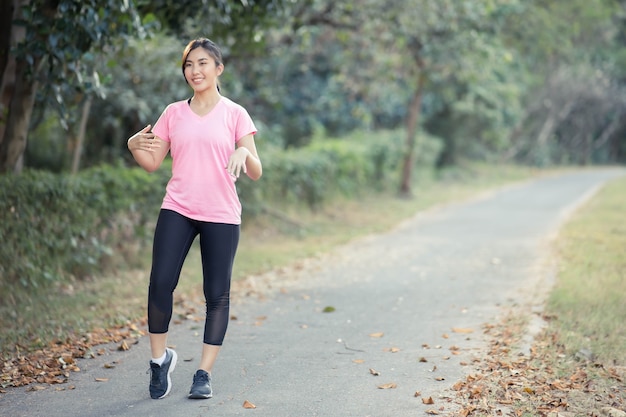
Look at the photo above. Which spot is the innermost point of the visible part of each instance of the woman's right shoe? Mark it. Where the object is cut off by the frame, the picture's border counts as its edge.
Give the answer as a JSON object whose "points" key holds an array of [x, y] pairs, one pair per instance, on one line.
{"points": [[160, 379]]}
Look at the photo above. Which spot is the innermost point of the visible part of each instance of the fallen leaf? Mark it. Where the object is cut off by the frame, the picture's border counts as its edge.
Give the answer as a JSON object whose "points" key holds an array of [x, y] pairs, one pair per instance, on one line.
{"points": [[417, 394], [428, 401], [374, 372], [462, 330], [440, 378], [328, 309], [377, 335], [432, 412], [123, 346], [359, 361], [422, 359], [101, 379], [390, 385], [248, 404], [109, 365]]}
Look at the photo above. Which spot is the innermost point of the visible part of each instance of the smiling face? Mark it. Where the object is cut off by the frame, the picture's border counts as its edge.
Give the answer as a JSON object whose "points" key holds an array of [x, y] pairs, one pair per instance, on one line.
{"points": [[201, 69]]}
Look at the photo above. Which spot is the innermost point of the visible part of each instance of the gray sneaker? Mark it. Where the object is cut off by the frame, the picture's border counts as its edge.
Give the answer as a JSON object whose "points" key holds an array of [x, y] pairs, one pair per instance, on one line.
{"points": [[201, 387], [160, 380]]}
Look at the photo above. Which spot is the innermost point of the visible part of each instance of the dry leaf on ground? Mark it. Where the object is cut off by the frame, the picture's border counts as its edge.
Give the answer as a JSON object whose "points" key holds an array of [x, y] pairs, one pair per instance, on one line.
{"points": [[248, 404]]}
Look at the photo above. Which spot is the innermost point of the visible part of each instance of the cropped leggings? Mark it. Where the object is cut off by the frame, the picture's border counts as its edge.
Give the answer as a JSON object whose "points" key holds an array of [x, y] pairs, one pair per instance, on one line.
{"points": [[173, 237]]}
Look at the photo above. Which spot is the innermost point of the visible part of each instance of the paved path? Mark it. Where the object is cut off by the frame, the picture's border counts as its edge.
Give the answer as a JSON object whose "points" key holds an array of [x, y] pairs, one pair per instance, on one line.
{"points": [[455, 267]]}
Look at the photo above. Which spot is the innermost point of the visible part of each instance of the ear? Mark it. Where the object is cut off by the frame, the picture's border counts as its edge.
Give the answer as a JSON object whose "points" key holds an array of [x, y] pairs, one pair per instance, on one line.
{"points": [[220, 69]]}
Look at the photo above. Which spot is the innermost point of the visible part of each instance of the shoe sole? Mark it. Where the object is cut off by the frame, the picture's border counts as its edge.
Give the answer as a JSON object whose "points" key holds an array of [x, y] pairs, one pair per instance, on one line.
{"points": [[200, 396], [169, 373]]}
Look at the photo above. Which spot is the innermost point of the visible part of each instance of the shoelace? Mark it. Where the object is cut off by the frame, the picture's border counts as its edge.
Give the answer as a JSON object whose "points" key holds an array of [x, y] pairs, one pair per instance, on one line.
{"points": [[204, 378], [151, 372]]}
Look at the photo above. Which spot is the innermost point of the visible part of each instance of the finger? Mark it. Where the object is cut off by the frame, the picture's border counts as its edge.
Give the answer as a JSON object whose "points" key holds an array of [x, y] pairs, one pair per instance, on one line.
{"points": [[146, 129]]}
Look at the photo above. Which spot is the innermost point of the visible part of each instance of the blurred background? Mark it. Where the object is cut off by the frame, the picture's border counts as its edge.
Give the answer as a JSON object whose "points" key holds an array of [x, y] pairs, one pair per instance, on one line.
{"points": [[350, 97], [533, 81]]}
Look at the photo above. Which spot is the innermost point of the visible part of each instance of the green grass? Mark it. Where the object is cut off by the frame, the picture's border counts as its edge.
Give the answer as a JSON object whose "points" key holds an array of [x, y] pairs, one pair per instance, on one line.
{"points": [[34, 319], [589, 300]]}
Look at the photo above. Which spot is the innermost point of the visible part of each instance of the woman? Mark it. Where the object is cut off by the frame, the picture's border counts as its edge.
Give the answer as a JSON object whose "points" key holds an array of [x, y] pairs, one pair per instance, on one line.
{"points": [[211, 141]]}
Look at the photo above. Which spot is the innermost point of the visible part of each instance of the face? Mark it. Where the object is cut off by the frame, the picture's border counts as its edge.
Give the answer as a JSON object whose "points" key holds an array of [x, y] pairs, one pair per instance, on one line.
{"points": [[201, 71]]}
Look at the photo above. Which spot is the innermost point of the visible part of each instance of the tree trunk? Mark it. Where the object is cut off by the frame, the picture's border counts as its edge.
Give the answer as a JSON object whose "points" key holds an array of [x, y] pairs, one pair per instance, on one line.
{"points": [[10, 35], [413, 115], [18, 119], [78, 150], [6, 16], [550, 124]]}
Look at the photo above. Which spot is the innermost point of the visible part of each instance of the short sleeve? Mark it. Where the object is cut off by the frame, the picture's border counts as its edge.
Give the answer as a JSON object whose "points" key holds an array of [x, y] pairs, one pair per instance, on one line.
{"points": [[244, 124], [162, 126]]}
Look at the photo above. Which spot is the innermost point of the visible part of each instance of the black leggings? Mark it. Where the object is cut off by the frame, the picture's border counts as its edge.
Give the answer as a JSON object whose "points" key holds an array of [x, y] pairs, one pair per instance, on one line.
{"points": [[173, 237]]}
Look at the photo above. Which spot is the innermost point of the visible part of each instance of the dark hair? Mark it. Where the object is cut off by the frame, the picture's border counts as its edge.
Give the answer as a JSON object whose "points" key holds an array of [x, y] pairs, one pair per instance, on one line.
{"points": [[209, 46]]}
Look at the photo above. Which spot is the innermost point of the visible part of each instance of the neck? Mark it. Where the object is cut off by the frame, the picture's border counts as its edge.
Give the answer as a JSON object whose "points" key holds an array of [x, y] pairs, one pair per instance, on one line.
{"points": [[206, 98]]}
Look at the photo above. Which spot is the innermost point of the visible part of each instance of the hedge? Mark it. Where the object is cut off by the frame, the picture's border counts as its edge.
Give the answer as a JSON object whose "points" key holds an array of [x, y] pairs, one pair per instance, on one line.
{"points": [[57, 225]]}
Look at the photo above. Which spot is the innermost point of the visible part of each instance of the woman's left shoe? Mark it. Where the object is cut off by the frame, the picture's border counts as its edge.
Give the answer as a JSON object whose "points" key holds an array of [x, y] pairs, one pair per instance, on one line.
{"points": [[201, 387]]}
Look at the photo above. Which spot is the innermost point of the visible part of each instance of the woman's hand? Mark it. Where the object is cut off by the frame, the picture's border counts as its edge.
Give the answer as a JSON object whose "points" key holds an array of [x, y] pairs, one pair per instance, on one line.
{"points": [[237, 162], [143, 140]]}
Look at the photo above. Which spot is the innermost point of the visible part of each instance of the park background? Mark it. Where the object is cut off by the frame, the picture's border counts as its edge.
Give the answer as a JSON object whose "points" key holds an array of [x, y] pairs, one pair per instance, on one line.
{"points": [[364, 108]]}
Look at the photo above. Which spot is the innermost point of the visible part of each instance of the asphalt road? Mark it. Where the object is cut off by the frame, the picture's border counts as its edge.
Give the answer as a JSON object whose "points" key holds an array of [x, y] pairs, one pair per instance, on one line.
{"points": [[459, 266]]}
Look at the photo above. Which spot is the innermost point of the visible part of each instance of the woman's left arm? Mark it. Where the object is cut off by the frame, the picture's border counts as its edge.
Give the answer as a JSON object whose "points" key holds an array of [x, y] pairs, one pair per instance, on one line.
{"points": [[246, 159]]}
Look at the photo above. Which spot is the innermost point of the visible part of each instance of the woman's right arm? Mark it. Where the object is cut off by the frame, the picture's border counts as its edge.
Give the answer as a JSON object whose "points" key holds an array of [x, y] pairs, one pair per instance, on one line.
{"points": [[148, 150]]}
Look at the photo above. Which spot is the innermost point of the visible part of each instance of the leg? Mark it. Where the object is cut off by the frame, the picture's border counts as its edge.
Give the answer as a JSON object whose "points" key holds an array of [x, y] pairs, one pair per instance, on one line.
{"points": [[218, 243], [173, 237], [209, 355]]}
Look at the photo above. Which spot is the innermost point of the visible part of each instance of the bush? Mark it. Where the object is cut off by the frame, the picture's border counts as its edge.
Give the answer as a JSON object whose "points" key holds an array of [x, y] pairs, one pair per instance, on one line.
{"points": [[53, 225], [56, 225], [347, 166]]}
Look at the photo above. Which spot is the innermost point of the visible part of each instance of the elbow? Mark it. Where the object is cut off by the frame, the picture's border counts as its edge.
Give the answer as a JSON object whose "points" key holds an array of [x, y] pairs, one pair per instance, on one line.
{"points": [[150, 168], [254, 176]]}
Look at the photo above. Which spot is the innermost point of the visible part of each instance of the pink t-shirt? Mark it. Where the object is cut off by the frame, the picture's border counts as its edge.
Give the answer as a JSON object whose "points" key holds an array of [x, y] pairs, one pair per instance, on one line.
{"points": [[200, 187]]}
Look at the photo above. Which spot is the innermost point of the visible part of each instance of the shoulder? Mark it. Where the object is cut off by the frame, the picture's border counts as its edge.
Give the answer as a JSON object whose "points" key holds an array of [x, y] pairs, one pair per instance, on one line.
{"points": [[174, 110], [175, 106]]}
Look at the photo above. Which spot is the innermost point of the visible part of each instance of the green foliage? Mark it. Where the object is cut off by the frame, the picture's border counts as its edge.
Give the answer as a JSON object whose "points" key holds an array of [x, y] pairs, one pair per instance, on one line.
{"points": [[348, 166], [60, 41], [231, 23], [52, 226]]}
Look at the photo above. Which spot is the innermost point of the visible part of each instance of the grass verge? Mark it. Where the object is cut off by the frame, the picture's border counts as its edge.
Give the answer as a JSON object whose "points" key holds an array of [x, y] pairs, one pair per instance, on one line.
{"points": [[577, 365]]}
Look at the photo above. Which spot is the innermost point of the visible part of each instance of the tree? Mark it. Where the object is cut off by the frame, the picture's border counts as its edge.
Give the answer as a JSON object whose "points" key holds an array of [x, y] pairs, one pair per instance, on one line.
{"points": [[575, 100], [48, 41], [52, 44], [437, 41]]}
